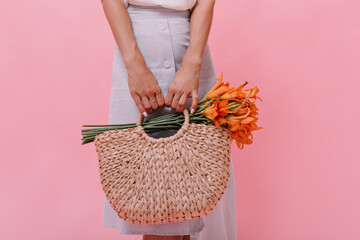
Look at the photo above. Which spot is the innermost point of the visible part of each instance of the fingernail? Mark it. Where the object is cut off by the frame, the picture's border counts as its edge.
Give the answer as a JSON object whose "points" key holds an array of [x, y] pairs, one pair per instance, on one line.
{"points": [[145, 114], [192, 111]]}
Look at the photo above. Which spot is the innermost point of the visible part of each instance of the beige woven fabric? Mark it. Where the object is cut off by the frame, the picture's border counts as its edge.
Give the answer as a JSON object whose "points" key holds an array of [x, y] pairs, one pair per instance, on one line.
{"points": [[160, 180]]}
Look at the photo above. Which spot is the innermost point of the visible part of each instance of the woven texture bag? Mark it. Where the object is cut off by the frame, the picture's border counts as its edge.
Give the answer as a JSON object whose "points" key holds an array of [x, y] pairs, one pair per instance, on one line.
{"points": [[160, 180]]}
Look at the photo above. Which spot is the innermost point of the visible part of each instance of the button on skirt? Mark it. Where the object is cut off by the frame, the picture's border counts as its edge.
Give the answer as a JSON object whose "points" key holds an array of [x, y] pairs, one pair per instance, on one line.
{"points": [[162, 35]]}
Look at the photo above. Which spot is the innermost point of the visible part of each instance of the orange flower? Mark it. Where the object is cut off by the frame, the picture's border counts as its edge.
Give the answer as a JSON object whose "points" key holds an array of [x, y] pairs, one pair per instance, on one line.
{"points": [[233, 122], [216, 86], [223, 91], [247, 120], [231, 94], [235, 93], [218, 92], [253, 124], [255, 90], [211, 112], [218, 89], [241, 138], [217, 111], [241, 118], [242, 125], [239, 111]]}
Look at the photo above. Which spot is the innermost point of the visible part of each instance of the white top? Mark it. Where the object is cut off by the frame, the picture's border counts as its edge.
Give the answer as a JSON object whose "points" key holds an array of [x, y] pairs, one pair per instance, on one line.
{"points": [[173, 4]]}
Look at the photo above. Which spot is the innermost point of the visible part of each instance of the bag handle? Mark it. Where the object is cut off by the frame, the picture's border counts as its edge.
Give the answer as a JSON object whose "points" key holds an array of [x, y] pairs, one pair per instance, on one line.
{"points": [[178, 134]]}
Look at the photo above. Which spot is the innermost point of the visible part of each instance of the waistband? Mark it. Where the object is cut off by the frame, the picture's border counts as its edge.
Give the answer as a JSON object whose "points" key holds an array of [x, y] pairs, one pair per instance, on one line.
{"points": [[148, 12]]}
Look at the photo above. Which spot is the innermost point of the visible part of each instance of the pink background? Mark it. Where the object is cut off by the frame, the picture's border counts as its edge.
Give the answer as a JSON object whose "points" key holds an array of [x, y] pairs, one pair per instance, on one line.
{"points": [[299, 180]]}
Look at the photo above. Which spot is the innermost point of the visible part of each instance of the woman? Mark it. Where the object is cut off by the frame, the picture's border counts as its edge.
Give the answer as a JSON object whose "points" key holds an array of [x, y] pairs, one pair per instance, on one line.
{"points": [[162, 61]]}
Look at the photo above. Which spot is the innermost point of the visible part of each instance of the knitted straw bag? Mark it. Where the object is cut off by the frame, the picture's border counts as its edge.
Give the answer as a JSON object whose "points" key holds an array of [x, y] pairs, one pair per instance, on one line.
{"points": [[161, 180]]}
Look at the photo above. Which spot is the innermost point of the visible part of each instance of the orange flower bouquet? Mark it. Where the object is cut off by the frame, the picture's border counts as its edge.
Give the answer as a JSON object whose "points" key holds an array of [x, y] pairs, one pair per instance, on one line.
{"points": [[223, 106]]}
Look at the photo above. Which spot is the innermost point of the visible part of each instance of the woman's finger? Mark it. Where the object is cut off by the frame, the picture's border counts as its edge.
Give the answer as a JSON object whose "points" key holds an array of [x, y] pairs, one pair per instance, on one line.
{"points": [[175, 100], [181, 104], [139, 105], [146, 104], [195, 100], [153, 102], [160, 100], [169, 97]]}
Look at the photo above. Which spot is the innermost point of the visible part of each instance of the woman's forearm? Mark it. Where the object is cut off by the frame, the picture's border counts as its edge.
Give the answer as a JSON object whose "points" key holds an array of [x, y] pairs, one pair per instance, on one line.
{"points": [[200, 24], [120, 24], [143, 86]]}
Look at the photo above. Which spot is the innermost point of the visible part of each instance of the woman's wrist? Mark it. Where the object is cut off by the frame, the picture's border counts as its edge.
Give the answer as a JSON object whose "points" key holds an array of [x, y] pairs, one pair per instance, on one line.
{"points": [[192, 61], [133, 59]]}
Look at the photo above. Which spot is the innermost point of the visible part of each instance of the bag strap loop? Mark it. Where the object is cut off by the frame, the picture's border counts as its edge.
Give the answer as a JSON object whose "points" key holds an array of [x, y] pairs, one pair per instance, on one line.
{"points": [[179, 133]]}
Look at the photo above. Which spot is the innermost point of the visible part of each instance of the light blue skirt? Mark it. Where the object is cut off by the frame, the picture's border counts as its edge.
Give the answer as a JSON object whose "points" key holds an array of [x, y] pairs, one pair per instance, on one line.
{"points": [[162, 35]]}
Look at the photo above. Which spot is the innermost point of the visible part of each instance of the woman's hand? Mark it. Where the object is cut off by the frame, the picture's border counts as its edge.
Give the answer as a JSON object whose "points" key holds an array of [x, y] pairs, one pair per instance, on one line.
{"points": [[145, 90], [184, 85]]}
